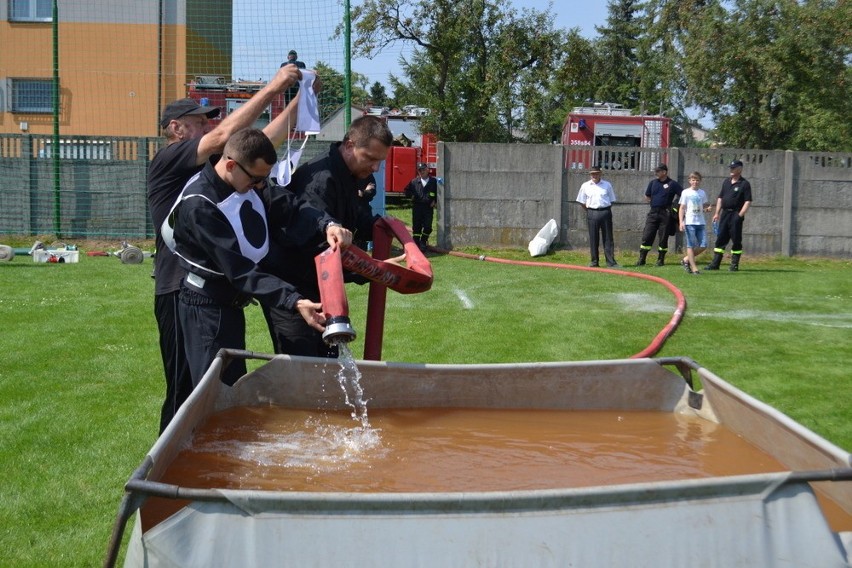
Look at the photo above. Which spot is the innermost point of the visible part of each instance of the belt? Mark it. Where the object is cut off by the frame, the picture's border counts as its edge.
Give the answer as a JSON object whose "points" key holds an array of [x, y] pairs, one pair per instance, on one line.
{"points": [[598, 209], [731, 209], [211, 292]]}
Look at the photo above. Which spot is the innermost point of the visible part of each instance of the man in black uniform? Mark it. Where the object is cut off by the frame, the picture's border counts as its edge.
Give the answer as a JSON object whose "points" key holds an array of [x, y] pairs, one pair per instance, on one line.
{"points": [[732, 204], [293, 59], [423, 191], [190, 141], [221, 234], [663, 193], [330, 183]]}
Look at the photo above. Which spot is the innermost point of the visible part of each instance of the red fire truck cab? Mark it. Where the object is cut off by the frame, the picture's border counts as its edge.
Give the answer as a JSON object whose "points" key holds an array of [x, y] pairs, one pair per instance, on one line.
{"points": [[604, 129], [410, 148]]}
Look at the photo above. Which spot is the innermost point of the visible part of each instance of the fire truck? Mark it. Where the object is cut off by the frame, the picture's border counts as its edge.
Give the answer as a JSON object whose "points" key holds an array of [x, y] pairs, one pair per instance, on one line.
{"points": [[410, 148], [611, 135], [214, 90]]}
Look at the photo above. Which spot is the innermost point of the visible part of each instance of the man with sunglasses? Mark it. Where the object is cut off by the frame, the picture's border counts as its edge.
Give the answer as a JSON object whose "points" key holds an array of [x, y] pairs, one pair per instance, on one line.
{"points": [[221, 234], [191, 140]]}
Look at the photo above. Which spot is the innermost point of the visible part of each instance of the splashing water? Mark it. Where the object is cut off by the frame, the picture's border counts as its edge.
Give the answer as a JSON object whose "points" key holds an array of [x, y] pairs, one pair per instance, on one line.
{"points": [[349, 378]]}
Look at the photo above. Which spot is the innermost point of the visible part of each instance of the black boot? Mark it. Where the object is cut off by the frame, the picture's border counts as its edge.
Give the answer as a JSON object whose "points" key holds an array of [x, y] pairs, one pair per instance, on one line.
{"points": [[714, 264], [643, 253], [735, 263], [661, 258]]}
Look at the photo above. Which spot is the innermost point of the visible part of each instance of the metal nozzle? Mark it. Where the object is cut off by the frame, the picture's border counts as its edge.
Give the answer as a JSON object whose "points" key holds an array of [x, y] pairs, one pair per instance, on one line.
{"points": [[338, 330]]}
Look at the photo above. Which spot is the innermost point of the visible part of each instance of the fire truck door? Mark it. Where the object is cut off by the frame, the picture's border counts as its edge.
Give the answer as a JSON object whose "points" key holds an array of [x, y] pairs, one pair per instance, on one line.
{"points": [[403, 168]]}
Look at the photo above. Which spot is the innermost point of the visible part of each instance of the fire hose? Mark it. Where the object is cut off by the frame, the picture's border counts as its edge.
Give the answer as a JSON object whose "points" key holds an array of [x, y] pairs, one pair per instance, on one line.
{"points": [[658, 341], [417, 277], [413, 278]]}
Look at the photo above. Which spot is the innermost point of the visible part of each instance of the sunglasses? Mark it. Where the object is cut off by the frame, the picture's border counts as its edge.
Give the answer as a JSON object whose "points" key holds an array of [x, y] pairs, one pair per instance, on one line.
{"points": [[252, 178]]}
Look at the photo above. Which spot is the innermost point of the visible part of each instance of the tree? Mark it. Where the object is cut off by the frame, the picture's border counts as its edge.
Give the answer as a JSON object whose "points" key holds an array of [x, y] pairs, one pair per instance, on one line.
{"points": [[774, 74], [661, 84], [470, 62], [332, 95], [618, 66], [570, 84], [770, 73], [378, 96]]}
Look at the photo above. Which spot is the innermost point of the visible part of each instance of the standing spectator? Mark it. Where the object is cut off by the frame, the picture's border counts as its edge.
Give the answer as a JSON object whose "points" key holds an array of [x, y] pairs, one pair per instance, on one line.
{"points": [[190, 142], [596, 196], [693, 204], [663, 194], [293, 59], [221, 234], [731, 206], [330, 183], [366, 193], [423, 191]]}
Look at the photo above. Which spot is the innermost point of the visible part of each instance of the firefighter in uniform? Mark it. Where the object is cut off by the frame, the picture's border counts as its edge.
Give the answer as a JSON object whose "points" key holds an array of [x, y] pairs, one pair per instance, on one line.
{"points": [[731, 206], [423, 191], [221, 234], [663, 193]]}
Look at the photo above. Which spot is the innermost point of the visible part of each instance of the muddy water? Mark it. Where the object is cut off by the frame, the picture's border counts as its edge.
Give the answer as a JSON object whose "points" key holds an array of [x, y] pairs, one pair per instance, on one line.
{"points": [[452, 450]]}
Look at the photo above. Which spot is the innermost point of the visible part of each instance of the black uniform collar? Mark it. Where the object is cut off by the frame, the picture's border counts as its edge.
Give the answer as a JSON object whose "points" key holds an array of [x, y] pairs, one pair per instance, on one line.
{"points": [[338, 166], [220, 188]]}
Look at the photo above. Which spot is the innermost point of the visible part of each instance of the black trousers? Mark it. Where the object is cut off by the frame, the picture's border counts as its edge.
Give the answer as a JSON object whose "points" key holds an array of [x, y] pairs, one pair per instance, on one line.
{"points": [[175, 365], [214, 327], [730, 229], [657, 225], [600, 225], [421, 221], [291, 335]]}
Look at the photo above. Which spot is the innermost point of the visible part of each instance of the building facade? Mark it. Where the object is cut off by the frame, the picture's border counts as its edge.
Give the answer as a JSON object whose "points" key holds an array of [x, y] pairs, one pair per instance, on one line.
{"points": [[116, 62]]}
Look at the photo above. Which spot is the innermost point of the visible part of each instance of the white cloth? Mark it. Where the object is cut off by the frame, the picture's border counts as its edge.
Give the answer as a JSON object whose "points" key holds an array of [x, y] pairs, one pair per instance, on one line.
{"points": [[282, 172], [542, 241], [308, 120], [596, 195]]}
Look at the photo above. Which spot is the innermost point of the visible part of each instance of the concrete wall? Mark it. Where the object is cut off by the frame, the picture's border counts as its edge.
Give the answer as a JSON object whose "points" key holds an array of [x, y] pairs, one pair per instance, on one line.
{"points": [[500, 195]]}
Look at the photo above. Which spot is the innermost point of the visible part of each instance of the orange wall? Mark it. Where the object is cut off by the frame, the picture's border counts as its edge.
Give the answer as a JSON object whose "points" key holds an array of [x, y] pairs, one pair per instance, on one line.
{"points": [[109, 74]]}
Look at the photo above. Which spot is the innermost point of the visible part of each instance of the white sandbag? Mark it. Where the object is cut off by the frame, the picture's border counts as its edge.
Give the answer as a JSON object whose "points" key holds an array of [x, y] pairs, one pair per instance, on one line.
{"points": [[541, 242]]}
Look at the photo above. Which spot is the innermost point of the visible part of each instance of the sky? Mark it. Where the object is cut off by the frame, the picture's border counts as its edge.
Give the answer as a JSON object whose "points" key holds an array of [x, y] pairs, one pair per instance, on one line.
{"points": [[582, 14], [258, 55]]}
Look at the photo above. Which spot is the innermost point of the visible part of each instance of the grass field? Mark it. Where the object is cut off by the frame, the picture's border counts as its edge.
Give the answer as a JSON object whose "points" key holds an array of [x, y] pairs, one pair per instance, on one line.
{"points": [[81, 381]]}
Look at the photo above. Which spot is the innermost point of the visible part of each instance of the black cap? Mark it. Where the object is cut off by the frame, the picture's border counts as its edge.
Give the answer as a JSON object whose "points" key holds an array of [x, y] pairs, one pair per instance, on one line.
{"points": [[292, 52], [422, 166], [735, 164], [661, 168], [183, 107]]}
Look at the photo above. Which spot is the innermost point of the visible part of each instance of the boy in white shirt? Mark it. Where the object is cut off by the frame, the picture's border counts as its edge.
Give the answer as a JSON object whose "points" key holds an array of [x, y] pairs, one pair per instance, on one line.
{"points": [[693, 204]]}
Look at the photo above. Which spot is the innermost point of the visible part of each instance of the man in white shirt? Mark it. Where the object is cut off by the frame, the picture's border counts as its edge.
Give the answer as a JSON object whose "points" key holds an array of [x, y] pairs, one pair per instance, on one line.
{"points": [[596, 196]]}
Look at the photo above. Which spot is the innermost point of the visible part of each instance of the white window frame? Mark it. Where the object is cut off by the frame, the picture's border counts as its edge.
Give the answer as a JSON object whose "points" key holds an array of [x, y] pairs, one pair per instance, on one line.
{"points": [[36, 10], [14, 84]]}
